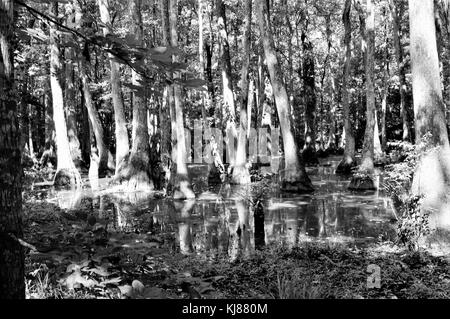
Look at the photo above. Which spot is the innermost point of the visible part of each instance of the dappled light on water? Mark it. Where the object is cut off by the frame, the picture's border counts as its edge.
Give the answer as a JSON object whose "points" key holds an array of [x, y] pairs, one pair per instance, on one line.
{"points": [[229, 220]]}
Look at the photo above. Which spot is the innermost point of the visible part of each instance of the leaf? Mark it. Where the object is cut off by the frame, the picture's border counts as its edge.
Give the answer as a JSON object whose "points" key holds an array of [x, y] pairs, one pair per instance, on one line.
{"points": [[36, 33], [99, 271], [215, 278], [126, 290], [113, 281], [138, 286], [75, 280], [73, 267]]}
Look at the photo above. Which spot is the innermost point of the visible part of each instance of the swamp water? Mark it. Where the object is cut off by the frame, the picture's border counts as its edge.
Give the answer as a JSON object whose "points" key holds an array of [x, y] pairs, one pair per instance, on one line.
{"points": [[235, 220]]}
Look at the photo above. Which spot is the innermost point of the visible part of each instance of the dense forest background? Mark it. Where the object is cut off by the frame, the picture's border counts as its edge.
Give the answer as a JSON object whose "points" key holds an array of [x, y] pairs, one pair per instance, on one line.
{"points": [[120, 89], [97, 57]]}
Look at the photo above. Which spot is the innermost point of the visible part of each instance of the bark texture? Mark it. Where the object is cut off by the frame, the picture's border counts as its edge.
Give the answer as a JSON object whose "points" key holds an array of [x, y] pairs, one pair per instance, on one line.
{"points": [[432, 177], [182, 185], [66, 172], [241, 174], [229, 109], [396, 15], [135, 174], [122, 142], [294, 177], [12, 277], [348, 161]]}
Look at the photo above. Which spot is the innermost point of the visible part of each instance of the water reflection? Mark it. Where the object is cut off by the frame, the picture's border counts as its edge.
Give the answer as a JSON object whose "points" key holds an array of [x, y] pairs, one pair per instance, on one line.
{"points": [[184, 210], [229, 221]]}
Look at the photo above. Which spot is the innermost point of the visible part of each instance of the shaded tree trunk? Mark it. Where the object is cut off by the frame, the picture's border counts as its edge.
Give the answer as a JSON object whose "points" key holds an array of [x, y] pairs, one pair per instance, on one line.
{"points": [[102, 157], [49, 125], [85, 132], [241, 174], [206, 103], [331, 146], [164, 111], [310, 101], [136, 175], [377, 151], [182, 185], [385, 92], [366, 167], [401, 67], [12, 276], [66, 172], [383, 120], [69, 95], [348, 161], [121, 132], [443, 16], [294, 177]]}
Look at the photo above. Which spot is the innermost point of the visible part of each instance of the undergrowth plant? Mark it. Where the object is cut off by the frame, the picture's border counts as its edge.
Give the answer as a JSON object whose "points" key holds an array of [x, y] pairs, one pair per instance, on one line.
{"points": [[412, 218]]}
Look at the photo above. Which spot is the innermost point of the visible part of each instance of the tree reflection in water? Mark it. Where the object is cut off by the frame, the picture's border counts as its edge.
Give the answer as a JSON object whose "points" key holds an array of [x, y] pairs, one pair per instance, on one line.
{"points": [[234, 220]]}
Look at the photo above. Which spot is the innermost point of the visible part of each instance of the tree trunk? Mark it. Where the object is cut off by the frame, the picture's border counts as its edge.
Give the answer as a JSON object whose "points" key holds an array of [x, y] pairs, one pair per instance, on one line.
{"points": [[368, 146], [241, 174], [85, 132], [294, 177], [49, 125], [229, 110], [209, 49], [206, 104], [331, 146], [122, 142], [427, 93], [309, 98], [164, 111], [69, 96], [443, 17], [433, 174], [181, 184], [66, 172], [348, 161], [385, 92], [377, 151], [383, 120], [136, 174], [40, 125], [401, 67], [102, 157], [12, 277], [363, 181]]}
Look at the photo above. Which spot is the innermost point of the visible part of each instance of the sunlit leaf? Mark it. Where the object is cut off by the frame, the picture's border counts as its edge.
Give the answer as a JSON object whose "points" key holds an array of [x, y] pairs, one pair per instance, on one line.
{"points": [[76, 280], [99, 271], [138, 286], [126, 290]]}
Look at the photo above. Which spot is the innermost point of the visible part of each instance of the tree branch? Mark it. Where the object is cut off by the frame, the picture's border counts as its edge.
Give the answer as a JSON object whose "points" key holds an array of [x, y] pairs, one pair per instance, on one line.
{"points": [[80, 35]]}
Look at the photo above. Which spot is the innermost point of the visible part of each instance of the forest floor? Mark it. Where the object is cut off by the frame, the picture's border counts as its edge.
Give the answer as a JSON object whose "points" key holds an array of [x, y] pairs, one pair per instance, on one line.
{"points": [[75, 257]]}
